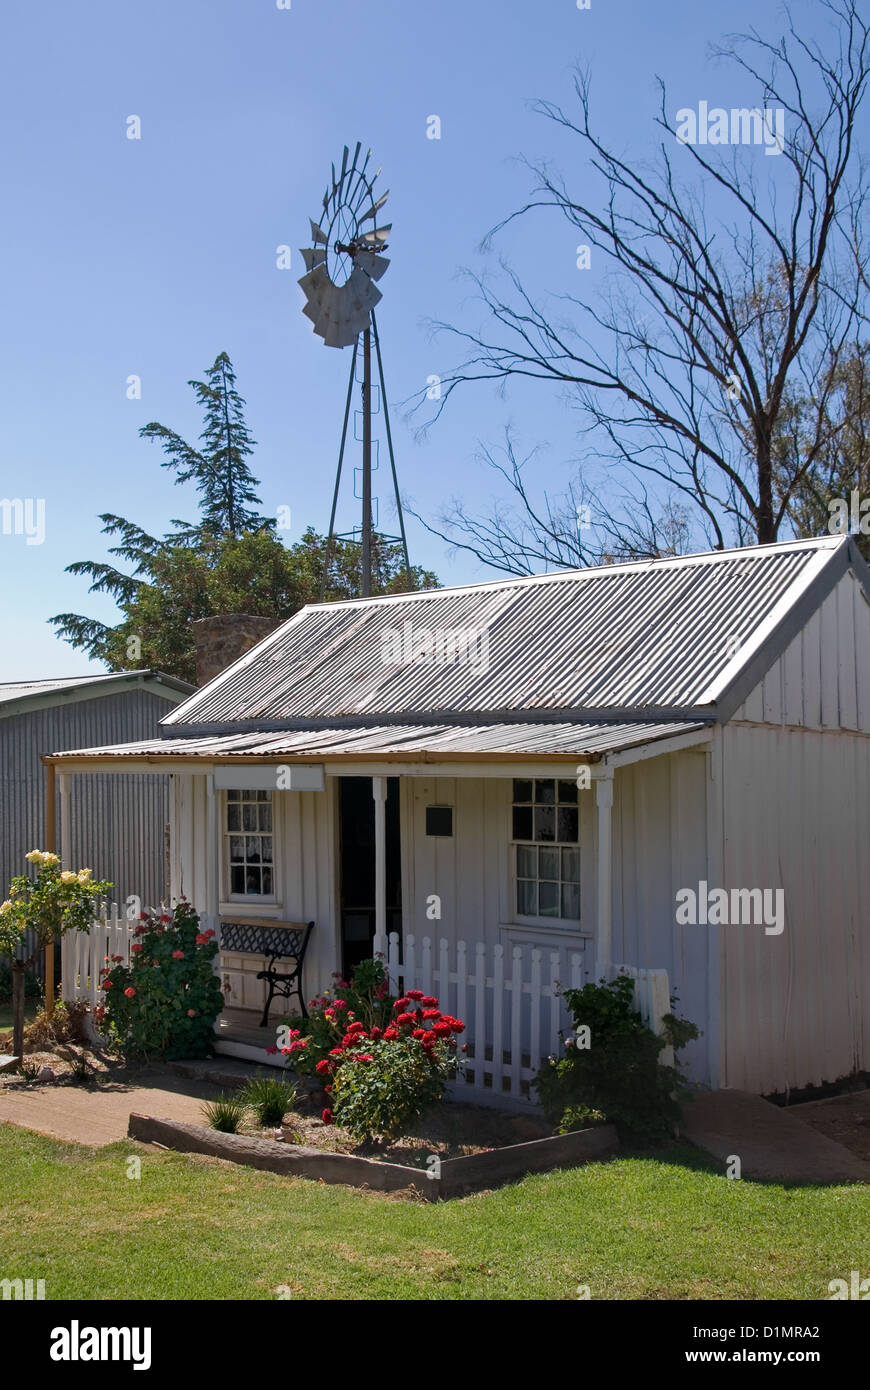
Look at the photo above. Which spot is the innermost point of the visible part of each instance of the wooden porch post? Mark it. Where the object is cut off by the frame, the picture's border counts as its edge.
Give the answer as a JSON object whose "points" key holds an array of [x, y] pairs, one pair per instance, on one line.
{"points": [[212, 898], [379, 792], [49, 845], [604, 944]]}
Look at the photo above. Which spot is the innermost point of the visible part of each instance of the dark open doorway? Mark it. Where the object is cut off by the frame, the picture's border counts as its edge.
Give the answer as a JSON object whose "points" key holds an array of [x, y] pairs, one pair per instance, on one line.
{"points": [[357, 866]]}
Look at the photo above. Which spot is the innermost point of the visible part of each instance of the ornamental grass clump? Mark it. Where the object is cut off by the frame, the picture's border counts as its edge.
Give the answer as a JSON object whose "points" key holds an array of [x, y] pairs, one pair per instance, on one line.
{"points": [[269, 1097], [165, 1002]]}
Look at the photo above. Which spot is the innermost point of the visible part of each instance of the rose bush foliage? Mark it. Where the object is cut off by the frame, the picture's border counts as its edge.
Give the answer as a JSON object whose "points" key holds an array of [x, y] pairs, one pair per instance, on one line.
{"points": [[383, 1062], [165, 1002]]}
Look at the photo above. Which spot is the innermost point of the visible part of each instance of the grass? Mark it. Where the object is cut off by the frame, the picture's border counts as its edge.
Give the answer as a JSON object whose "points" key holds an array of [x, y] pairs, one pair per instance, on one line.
{"points": [[646, 1227], [31, 1009]]}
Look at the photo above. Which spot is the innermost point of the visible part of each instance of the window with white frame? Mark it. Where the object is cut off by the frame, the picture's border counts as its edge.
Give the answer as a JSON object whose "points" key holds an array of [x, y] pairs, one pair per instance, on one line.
{"points": [[546, 834], [248, 844]]}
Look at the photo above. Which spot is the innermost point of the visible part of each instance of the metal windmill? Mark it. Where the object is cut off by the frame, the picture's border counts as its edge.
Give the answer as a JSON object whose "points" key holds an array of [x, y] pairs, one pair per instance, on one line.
{"points": [[342, 267]]}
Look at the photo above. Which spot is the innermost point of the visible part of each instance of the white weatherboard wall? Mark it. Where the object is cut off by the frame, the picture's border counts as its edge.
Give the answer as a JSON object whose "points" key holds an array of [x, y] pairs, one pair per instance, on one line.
{"points": [[304, 872], [659, 846], [795, 814]]}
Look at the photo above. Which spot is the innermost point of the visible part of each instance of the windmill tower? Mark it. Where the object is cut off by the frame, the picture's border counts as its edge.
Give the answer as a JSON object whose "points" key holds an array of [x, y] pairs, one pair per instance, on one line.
{"points": [[343, 265]]}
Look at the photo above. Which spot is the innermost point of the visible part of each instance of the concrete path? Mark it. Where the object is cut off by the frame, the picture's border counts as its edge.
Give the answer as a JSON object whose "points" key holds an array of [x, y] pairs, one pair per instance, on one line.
{"points": [[769, 1141], [98, 1115]]}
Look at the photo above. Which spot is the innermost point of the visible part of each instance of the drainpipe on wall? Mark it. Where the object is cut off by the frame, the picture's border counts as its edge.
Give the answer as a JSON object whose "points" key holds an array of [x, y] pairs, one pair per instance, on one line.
{"points": [[604, 944]]}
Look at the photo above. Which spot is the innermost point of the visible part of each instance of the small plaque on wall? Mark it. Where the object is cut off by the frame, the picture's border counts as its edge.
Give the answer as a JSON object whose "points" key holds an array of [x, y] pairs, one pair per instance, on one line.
{"points": [[439, 821]]}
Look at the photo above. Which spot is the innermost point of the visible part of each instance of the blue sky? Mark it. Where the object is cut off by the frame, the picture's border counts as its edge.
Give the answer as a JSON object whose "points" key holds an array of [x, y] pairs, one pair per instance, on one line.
{"points": [[150, 256]]}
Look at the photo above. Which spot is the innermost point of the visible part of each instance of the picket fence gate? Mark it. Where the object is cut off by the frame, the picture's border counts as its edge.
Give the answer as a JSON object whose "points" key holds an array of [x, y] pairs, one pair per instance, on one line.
{"points": [[83, 954]]}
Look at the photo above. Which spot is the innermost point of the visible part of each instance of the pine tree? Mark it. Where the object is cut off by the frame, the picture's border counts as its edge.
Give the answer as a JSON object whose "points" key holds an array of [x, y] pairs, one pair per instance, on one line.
{"points": [[225, 483]]}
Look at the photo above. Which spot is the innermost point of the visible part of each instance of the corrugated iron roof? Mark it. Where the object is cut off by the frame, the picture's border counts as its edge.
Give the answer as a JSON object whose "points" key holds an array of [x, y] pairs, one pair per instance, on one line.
{"points": [[657, 637], [414, 742], [13, 691]]}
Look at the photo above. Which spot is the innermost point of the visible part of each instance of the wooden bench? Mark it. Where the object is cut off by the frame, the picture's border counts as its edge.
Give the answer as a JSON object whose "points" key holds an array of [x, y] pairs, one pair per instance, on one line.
{"points": [[278, 941]]}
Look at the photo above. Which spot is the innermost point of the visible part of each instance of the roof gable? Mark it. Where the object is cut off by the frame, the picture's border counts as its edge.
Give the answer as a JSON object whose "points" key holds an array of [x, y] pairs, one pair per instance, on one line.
{"points": [[663, 637]]}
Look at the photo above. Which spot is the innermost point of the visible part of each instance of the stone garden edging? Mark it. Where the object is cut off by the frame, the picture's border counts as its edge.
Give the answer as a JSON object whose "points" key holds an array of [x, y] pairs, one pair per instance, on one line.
{"points": [[455, 1177]]}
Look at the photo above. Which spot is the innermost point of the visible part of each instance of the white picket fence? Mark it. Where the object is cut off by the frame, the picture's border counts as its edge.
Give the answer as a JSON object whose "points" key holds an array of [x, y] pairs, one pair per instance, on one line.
{"points": [[83, 954], [510, 1002]]}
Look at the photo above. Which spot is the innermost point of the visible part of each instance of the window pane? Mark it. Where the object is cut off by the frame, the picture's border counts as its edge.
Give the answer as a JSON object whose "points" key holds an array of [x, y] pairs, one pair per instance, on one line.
{"points": [[252, 880], [571, 900], [267, 880], [252, 849], [545, 822], [234, 818], [266, 842], [232, 796], [527, 898], [571, 865], [522, 789], [527, 861], [523, 823], [264, 815], [568, 792], [545, 791], [264, 796], [237, 848], [548, 899], [237, 879], [249, 817], [568, 824], [548, 864]]}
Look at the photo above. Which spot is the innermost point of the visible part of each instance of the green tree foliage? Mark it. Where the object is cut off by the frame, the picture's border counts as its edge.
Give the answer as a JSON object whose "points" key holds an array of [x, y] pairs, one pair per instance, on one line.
{"points": [[230, 561]]}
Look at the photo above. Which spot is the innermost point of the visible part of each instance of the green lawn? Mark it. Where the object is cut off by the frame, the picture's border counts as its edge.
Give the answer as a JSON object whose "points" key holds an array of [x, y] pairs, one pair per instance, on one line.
{"points": [[194, 1228], [31, 1009]]}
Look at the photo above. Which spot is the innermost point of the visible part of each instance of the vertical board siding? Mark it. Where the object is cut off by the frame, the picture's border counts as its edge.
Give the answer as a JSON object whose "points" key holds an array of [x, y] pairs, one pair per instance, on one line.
{"points": [[822, 679], [796, 1007], [660, 846], [117, 820]]}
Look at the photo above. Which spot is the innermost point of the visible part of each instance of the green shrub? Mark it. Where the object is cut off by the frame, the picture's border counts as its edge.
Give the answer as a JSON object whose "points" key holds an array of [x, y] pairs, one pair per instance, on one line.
{"points": [[225, 1114], [365, 999], [164, 1004], [269, 1097], [380, 1093], [618, 1076]]}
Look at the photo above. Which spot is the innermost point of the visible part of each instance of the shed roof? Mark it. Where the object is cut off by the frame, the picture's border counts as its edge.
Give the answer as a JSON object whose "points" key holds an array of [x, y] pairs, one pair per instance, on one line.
{"points": [[18, 694], [654, 639]]}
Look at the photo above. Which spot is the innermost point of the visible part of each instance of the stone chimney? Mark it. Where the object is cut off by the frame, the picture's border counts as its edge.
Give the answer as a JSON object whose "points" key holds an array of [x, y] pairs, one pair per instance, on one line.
{"points": [[222, 640]]}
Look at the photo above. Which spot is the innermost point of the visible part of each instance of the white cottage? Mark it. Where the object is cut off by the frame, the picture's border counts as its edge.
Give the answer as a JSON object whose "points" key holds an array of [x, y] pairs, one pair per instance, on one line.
{"points": [[663, 766]]}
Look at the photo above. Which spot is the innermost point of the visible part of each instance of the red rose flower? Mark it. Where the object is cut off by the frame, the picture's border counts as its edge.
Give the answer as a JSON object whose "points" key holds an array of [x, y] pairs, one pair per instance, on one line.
{"points": [[271, 1051], [405, 1019], [430, 1001], [137, 947], [375, 1033], [402, 1003], [191, 1013], [415, 994], [390, 1034], [322, 1067], [130, 992], [326, 1117], [328, 1090], [108, 985], [419, 1033], [178, 955], [201, 939], [431, 1013]]}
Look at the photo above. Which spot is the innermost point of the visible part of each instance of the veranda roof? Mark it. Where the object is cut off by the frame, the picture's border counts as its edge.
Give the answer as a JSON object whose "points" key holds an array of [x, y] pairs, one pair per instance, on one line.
{"points": [[396, 742]]}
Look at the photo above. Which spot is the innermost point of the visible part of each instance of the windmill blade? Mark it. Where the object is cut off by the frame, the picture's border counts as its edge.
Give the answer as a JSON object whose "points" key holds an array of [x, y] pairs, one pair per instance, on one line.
{"points": [[378, 236], [355, 193], [375, 208], [344, 163], [374, 266], [312, 257], [318, 234]]}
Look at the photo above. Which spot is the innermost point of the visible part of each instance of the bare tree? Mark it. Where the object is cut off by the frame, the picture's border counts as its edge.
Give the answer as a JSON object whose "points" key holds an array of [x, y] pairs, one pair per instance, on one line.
{"points": [[709, 325]]}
